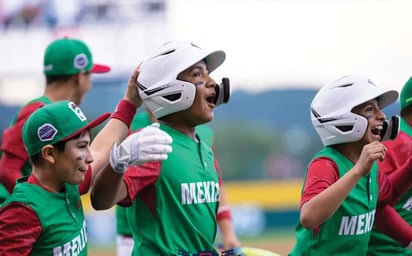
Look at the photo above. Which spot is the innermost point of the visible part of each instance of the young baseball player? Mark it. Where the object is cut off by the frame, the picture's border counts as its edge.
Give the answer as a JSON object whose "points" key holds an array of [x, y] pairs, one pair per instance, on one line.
{"points": [[124, 241], [398, 152], [342, 187], [68, 64], [44, 214], [173, 203]]}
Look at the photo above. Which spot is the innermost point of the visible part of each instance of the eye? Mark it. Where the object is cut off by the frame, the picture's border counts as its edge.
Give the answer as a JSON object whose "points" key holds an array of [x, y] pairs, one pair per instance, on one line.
{"points": [[197, 74]]}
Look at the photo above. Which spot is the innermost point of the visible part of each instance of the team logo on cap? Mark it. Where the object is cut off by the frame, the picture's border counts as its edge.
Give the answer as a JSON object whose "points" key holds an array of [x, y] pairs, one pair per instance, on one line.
{"points": [[46, 132], [77, 111], [81, 61]]}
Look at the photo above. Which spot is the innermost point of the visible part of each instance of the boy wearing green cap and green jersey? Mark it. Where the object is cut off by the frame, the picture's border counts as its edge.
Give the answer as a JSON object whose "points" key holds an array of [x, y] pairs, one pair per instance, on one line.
{"points": [[397, 154], [67, 66], [44, 214]]}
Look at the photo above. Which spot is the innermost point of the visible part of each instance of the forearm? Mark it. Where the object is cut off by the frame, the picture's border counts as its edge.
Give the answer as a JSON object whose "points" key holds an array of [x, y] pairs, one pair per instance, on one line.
{"points": [[401, 180], [388, 221], [108, 189], [113, 132], [322, 206]]}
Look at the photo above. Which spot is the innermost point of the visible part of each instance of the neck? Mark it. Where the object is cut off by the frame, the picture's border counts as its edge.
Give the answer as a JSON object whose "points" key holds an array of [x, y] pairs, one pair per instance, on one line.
{"points": [[61, 91], [351, 150], [47, 181], [181, 126]]}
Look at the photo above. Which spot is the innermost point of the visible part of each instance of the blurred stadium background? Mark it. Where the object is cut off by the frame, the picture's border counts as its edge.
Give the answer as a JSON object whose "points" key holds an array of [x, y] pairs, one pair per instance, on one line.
{"points": [[264, 138]]}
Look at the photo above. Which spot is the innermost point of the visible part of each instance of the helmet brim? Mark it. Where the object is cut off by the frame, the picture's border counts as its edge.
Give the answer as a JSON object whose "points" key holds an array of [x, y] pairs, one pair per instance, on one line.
{"points": [[214, 60], [387, 98]]}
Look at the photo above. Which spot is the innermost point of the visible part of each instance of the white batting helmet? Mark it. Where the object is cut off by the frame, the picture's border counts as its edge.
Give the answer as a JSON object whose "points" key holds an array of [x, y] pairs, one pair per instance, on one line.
{"points": [[331, 108], [158, 86]]}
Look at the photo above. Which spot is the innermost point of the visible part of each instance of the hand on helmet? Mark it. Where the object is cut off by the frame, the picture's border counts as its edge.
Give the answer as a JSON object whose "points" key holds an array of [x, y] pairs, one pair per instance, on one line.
{"points": [[149, 144]]}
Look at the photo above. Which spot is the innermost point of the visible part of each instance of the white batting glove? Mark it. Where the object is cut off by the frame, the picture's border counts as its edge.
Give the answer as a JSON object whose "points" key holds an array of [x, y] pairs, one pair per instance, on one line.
{"points": [[149, 144]]}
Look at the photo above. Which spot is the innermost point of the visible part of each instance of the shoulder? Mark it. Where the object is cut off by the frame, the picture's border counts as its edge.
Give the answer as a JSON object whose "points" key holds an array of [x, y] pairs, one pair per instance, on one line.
{"points": [[17, 212]]}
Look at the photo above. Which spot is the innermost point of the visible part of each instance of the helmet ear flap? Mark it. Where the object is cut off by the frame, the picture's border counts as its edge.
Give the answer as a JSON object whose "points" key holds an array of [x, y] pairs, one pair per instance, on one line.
{"points": [[168, 98], [222, 92], [390, 128], [339, 129]]}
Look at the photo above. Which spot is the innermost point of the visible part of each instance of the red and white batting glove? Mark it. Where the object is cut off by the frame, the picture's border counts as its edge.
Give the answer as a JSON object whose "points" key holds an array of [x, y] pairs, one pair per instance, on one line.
{"points": [[148, 145]]}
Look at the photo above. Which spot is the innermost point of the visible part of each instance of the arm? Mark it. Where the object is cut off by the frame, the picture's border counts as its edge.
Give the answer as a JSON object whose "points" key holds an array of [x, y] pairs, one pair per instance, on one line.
{"points": [[224, 221], [323, 205], [388, 221], [147, 145], [224, 217], [19, 229], [392, 186], [323, 192], [117, 127]]}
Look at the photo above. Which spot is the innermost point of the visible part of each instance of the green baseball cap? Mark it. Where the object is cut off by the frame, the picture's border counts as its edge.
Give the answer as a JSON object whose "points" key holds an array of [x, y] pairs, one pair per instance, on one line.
{"points": [[406, 94], [54, 122], [68, 56]]}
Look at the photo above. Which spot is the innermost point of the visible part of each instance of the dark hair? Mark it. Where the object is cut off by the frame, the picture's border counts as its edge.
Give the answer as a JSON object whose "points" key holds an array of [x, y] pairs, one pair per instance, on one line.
{"points": [[58, 78]]}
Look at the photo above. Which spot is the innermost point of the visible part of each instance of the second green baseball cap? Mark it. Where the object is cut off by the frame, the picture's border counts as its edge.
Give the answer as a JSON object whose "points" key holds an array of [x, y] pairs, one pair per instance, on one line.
{"points": [[54, 122], [406, 94], [69, 56]]}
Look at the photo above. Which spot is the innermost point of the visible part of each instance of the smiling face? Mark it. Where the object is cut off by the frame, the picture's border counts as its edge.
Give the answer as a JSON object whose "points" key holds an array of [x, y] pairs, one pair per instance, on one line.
{"points": [[373, 113], [71, 164], [202, 108]]}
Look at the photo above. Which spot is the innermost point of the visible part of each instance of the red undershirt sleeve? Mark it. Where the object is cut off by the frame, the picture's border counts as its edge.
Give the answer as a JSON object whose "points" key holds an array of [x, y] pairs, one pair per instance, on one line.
{"points": [[139, 178], [19, 229], [14, 153], [392, 186], [321, 174], [388, 221]]}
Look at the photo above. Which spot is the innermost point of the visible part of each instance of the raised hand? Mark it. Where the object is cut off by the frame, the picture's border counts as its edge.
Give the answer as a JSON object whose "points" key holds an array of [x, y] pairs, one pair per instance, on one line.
{"points": [[147, 145]]}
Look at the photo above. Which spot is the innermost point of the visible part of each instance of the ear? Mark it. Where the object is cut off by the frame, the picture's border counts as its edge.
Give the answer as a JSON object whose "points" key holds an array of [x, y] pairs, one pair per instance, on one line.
{"points": [[48, 154]]}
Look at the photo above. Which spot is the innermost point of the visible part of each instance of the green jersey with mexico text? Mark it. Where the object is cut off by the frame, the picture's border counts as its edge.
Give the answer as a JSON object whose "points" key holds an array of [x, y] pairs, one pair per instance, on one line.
{"points": [[60, 215], [348, 230], [186, 199]]}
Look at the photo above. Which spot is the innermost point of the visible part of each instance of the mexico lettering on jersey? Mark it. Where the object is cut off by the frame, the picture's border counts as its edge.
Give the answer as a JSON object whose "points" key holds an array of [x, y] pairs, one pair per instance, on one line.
{"points": [[200, 192], [357, 225], [73, 247]]}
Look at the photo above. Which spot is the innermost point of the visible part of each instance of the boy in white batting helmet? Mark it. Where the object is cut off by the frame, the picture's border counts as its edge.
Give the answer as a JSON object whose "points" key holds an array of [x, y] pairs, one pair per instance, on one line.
{"points": [[343, 188]]}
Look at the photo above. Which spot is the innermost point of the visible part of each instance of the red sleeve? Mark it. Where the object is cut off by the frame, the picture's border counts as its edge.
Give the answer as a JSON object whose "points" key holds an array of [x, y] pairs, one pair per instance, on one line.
{"points": [[85, 186], [140, 178], [14, 152], [19, 229], [395, 184], [388, 221], [397, 153], [322, 173], [397, 169]]}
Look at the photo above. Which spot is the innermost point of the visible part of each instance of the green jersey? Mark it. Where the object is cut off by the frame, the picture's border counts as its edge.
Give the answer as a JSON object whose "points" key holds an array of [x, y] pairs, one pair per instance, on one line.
{"points": [[61, 217], [348, 230], [175, 201]]}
